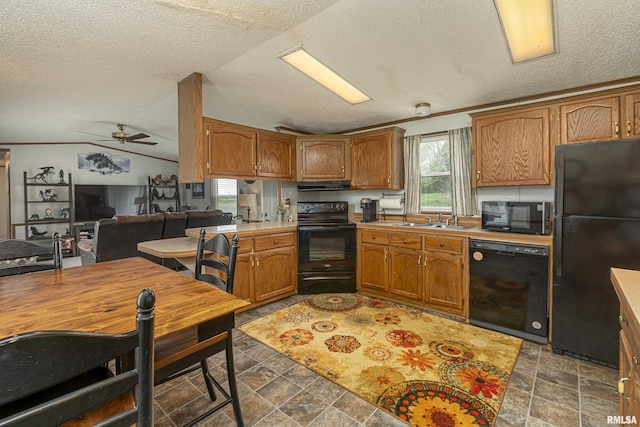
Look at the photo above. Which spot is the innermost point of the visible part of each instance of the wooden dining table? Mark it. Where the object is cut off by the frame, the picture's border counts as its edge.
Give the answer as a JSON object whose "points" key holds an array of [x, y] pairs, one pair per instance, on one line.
{"points": [[191, 316]]}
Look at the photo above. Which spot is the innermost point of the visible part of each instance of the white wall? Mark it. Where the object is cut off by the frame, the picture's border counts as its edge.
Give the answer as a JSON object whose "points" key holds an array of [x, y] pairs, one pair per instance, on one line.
{"points": [[31, 158]]}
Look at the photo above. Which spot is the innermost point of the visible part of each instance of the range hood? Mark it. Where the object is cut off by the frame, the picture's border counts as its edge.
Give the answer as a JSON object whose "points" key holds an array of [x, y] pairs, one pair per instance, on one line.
{"points": [[340, 185]]}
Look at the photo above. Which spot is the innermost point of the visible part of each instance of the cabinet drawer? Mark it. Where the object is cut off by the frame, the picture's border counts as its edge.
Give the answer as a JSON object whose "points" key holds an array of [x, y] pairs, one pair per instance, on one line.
{"points": [[245, 244], [406, 240], [444, 243], [274, 241], [379, 237]]}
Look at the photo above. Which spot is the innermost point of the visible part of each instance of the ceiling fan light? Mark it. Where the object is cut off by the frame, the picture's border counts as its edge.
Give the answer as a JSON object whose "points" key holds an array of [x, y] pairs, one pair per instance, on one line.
{"points": [[423, 109]]}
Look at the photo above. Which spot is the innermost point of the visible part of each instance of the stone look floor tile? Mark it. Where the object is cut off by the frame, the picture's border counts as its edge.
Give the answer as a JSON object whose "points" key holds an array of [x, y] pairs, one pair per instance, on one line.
{"points": [[276, 391]]}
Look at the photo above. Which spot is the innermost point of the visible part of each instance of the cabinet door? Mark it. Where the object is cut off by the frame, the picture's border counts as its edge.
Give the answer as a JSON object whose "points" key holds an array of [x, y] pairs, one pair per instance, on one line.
{"points": [[243, 279], [371, 162], [591, 120], [374, 270], [406, 273], [632, 115], [322, 159], [512, 149], [275, 156], [443, 280], [275, 273], [230, 151]]}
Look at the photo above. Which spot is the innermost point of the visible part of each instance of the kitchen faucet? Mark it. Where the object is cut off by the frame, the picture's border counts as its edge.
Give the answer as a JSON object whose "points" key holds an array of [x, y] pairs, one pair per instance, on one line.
{"points": [[439, 217]]}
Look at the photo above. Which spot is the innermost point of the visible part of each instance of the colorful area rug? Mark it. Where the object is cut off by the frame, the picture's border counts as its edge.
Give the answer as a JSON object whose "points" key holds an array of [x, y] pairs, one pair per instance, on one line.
{"points": [[426, 370]]}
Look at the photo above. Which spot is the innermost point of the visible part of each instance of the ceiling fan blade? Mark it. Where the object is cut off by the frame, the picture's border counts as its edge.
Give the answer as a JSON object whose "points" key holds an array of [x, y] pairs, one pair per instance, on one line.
{"points": [[142, 142], [94, 134], [137, 136]]}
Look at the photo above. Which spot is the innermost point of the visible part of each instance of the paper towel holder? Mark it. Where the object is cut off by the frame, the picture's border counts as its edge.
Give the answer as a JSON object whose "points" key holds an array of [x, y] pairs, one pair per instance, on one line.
{"points": [[400, 196]]}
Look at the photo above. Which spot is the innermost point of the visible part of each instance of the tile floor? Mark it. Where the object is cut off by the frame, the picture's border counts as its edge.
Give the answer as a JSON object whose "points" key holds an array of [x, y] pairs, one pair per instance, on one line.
{"points": [[545, 390]]}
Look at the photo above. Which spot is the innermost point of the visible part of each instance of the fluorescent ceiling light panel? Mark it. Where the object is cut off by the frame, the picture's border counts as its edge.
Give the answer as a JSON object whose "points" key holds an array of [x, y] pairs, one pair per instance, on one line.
{"points": [[528, 26], [323, 75]]}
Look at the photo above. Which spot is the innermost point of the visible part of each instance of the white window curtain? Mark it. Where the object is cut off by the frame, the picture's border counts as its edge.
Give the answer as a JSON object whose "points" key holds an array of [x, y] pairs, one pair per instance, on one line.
{"points": [[464, 198], [412, 174]]}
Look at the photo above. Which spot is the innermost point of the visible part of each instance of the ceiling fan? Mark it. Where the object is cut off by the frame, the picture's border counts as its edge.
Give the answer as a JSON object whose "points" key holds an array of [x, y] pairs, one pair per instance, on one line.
{"points": [[121, 136]]}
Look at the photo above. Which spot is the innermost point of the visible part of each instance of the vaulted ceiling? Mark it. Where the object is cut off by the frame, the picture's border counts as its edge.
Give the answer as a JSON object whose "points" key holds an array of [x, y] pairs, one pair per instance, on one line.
{"points": [[71, 69]]}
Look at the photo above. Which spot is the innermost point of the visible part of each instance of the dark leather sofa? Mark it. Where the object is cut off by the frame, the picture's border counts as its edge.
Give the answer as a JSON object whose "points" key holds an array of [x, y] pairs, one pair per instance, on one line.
{"points": [[118, 237]]}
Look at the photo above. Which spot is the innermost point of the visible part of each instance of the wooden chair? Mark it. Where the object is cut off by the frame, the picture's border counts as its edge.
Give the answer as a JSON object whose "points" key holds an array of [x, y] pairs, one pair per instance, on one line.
{"points": [[19, 256], [221, 257], [51, 378]]}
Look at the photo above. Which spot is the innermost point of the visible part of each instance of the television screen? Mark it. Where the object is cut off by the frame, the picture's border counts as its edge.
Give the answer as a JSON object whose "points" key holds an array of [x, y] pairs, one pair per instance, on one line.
{"points": [[93, 202]]}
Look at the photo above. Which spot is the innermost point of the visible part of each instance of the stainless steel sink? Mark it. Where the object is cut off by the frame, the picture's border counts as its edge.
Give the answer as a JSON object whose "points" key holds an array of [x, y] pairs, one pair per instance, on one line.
{"points": [[408, 224], [447, 226]]}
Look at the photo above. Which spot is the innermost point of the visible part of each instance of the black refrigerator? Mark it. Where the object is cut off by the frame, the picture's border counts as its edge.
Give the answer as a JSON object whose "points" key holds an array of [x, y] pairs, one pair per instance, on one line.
{"points": [[597, 226]]}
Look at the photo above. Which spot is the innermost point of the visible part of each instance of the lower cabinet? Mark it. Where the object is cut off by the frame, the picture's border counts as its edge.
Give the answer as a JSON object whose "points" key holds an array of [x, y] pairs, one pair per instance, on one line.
{"points": [[266, 267], [629, 382], [425, 270]]}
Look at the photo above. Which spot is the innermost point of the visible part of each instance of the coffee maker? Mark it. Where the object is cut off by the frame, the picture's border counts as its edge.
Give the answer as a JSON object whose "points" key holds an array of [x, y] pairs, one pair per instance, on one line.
{"points": [[369, 210]]}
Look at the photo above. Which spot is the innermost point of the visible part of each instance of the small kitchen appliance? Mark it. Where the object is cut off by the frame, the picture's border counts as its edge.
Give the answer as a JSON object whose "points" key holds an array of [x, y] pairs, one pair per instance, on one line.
{"points": [[369, 209]]}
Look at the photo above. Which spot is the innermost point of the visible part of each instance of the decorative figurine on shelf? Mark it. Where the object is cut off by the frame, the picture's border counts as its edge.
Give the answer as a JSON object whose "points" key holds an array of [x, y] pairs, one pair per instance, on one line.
{"points": [[61, 177], [34, 217], [64, 213], [47, 214], [48, 195], [42, 175], [36, 232]]}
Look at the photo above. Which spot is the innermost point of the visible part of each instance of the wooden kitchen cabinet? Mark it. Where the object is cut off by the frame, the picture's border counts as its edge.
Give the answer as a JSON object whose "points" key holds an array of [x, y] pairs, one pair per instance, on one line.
{"points": [[632, 115], [266, 267], [512, 148], [235, 151], [324, 157], [590, 120], [417, 268], [601, 119], [377, 160], [374, 261]]}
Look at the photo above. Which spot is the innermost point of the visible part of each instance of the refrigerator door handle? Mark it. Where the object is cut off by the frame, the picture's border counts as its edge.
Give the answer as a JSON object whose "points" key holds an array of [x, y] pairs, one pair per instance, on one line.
{"points": [[559, 212]]}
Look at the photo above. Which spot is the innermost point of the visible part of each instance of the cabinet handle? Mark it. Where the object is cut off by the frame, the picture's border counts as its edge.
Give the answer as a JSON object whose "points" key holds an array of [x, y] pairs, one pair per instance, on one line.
{"points": [[275, 242], [420, 260], [635, 360], [388, 180], [628, 128], [404, 241], [385, 254], [621, 385], [257, 263], [617, 126], [252, 264], [441, 244], [622, 320], [478, 176], [373, 237]]}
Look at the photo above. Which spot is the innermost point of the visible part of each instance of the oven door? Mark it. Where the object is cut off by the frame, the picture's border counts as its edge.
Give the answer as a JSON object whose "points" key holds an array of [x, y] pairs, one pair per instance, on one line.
{"points": [[326, 258]]}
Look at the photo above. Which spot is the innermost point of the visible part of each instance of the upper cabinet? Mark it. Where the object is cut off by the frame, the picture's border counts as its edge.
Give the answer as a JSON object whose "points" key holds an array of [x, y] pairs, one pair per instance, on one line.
{"points": [[377, 159], [512, 149], [601, 119], [235, 151], [323, 157], [590, 120], [632, 115]]}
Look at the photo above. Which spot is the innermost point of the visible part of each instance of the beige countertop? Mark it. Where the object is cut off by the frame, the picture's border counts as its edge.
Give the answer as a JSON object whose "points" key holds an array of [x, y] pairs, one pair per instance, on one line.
{"points": [[627, 285], [472, 232], [252, 228]]}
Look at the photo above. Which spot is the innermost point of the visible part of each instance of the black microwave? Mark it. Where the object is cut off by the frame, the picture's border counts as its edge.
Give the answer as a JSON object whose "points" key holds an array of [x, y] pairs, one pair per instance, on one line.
{"points": [[517, 217]]}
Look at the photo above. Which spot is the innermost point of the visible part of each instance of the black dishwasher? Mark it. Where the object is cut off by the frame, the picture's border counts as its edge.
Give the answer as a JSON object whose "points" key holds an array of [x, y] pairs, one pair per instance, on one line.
{"points": [[509, 288]]}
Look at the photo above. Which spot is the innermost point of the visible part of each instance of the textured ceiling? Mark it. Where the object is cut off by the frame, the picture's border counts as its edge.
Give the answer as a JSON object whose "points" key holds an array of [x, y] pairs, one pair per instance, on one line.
{"points": [[71, 68]]}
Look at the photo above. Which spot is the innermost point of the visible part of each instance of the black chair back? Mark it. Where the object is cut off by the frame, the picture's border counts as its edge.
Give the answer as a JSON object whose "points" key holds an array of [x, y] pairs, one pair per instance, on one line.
{"points": [[51, 377], [222, 259]]}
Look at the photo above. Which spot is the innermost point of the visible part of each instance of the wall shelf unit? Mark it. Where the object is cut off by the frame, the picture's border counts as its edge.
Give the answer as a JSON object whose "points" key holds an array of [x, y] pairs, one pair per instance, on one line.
{"points": [[48, 209], [164, 194]]}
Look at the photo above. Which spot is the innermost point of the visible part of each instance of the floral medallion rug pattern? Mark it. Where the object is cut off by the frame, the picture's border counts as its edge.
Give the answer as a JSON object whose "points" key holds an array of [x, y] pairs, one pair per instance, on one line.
{"points": [[426, 370]]}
